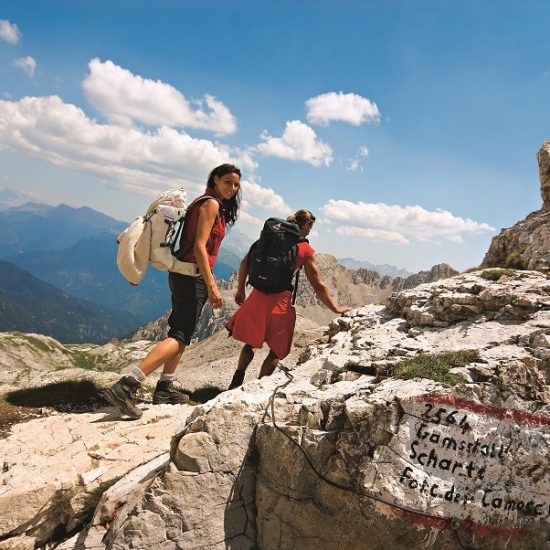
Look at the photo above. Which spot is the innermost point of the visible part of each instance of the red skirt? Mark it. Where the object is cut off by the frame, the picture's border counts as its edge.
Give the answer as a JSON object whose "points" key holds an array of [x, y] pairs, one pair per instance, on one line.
{"points": [[268, 318]]}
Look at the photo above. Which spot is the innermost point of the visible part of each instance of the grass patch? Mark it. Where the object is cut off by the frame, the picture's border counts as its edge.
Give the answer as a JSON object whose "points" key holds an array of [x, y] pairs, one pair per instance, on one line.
{"points": [[83, 360], [67, 396], [496, 274], [433, 366], [87, 361], [35, 342]]}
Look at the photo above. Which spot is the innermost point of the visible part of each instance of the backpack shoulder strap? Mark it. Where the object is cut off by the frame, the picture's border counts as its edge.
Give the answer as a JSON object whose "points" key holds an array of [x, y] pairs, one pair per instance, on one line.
{"points": [[188, 246]]}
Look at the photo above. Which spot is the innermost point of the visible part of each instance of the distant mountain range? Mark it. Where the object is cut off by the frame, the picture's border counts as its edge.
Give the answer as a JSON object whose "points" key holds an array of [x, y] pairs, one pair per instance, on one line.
{"points": [[28, 304], [74, 249], [63, 281], [34, 227], [382, 270]]}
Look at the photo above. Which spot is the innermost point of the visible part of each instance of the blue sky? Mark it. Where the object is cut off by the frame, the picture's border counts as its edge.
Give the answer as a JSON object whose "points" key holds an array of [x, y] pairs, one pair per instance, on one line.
{"points": [[409, 128]]}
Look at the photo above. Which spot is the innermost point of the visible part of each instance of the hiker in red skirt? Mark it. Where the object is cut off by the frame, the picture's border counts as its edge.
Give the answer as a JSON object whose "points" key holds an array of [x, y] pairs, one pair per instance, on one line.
{"points": [[270, 317]]}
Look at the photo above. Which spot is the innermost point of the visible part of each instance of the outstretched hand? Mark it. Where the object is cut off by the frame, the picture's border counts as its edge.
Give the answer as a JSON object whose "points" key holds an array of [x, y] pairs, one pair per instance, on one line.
{"points": [[240, 297]]}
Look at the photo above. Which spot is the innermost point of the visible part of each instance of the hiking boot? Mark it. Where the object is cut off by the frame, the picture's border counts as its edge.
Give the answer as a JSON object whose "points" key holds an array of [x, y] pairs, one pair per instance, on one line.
{"points": [[237, 380], [123, 396], [169, 392]]}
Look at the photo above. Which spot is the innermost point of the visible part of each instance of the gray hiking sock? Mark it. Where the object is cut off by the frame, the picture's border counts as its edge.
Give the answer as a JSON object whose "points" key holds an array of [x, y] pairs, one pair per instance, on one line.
{"points": [[137, 374], [167, 376]]}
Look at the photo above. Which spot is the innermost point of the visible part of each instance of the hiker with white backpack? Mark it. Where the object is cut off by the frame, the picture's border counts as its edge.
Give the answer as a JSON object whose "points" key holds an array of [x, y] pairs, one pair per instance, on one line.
{"points": [[202, 233], [272, 267]]}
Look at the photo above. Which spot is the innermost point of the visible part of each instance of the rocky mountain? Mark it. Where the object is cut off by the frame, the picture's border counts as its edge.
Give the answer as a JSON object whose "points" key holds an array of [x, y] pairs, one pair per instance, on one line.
{"points": [[420, 420], [28, 304], [33, 227], [351, 287], [382, 270], [437, 272], [88, 270], [526, 245]]}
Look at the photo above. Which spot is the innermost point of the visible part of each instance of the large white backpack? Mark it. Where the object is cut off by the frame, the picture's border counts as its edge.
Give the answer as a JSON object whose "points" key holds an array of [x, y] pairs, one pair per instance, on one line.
{"points": [[150, 239]]}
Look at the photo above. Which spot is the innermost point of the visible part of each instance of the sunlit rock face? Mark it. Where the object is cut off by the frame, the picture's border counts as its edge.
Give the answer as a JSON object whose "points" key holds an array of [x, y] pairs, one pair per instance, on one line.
{"points": [[543, 158], [526, 245], [339, 455]]}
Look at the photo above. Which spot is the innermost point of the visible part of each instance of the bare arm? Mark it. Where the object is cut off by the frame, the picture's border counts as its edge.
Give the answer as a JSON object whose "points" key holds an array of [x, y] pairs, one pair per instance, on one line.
{"points": [[240, 295], [207, 216], [314, 278]]}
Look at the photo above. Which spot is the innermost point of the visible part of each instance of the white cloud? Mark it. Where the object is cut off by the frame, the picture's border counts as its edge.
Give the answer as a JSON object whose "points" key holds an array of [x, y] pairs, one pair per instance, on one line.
{"points": [[264, 197], [124, 97], [244, 216], [396, 224], [9, 32], [298, 142], [50, 130], [244, 159], [26, 64], [351, 108], [354, 163], [391, 237]]}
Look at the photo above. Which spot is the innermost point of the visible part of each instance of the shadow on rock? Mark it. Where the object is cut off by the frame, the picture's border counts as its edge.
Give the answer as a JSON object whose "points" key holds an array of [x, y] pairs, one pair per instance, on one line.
{"points": [[204, 394], [76, 396], [240, 508]]}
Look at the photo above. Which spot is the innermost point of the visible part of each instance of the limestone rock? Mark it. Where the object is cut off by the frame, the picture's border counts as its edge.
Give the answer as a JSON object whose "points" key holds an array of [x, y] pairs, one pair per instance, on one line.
{"points": [[333, 454], [56, 464], [437, 272], [543, 158], [310, 461], [526, 245]]}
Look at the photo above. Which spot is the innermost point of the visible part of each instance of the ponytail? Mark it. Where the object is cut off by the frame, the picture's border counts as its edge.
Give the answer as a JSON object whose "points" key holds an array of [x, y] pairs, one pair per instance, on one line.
{"points": [[301, 217]]}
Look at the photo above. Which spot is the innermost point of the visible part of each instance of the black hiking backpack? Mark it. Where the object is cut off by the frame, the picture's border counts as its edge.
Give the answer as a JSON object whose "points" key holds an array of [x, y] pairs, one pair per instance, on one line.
{"points": [[272, 257]]}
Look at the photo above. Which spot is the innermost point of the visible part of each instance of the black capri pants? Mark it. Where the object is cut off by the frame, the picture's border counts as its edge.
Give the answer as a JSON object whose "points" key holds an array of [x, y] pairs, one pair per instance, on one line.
{"points": [[189, 294]]}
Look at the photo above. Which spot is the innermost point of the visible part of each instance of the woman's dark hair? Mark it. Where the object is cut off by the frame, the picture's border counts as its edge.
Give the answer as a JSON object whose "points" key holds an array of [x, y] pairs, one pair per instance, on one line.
{"points": [[301, 217], [231, 206]]}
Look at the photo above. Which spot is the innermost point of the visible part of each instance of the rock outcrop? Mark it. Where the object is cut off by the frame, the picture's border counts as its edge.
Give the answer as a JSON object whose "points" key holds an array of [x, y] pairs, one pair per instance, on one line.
{"points": [[526, 245], [349, 451], [436, 273], [55, 468], [543, 158]]}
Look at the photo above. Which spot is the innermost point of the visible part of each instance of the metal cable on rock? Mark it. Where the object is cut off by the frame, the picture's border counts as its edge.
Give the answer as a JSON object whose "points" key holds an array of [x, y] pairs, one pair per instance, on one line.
{"points": [[452, 524]]}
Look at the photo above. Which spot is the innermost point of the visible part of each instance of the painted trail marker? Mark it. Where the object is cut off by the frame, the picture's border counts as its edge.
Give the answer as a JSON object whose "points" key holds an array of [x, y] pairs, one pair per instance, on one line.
{"points": [[454, 458]]}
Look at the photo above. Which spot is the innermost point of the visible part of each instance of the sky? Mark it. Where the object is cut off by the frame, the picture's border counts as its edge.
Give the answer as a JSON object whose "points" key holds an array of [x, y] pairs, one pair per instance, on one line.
{"points": [[409, 128]]}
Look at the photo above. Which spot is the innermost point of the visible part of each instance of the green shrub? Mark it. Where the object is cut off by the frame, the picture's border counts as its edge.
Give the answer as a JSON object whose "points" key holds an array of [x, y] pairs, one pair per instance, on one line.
{"points": [[514, 258], [496, 274], [433, 366]]}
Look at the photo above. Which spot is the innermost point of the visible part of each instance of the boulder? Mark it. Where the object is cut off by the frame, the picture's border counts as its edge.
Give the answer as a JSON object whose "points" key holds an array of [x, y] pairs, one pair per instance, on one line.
{"points": [[543, 158]]}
